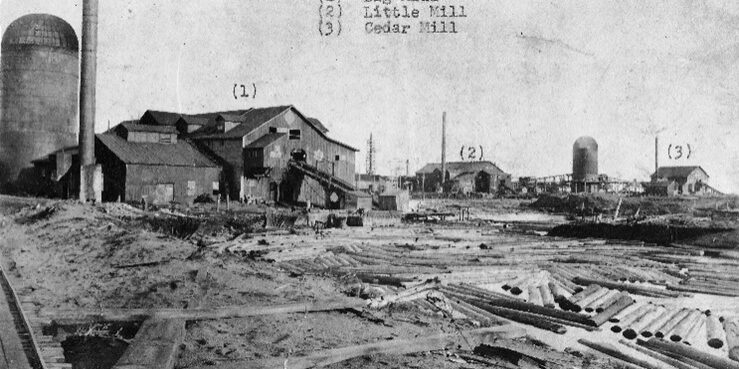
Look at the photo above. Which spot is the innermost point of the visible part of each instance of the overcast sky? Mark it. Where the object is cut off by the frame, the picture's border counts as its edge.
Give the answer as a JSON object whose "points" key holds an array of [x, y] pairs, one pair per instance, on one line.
{"points": [[523, 78]]}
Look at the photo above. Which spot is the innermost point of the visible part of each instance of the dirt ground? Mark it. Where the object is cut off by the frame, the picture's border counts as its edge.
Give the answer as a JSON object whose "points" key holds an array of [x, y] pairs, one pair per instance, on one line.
{"points": [[65, 256]]}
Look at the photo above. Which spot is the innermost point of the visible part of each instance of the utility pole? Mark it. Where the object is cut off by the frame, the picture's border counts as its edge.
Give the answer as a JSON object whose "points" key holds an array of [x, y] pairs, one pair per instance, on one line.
{"points": [[656, 154], [370, 156], [88, 72], [443, 150]]}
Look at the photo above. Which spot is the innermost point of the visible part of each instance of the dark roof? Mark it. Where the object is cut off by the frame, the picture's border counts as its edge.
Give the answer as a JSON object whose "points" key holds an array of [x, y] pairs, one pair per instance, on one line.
{"points": [[317, 123], [135, 127], [164, 118], [195, 120], [679, 172], [180, 154], [212, 115], [250, 120], [265, 141], [457, 168], [40, 30], [233, 117], [167, 118]]}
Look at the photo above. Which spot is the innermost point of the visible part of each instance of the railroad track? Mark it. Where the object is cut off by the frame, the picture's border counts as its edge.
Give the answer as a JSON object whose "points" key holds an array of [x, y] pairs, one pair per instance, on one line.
{"points": [[30, 348]]}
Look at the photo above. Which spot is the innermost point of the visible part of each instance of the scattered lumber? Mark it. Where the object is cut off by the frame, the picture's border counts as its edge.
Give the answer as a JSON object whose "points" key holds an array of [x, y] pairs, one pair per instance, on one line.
{"points": [[639, 290], [681, 329], [517, 358], [383, 279], [397, 347], [656, 355], [654, 325], [670, 325], [125, 315], [697, 333], [535, 320], [731, 326], [600, 306], [490, 363], [614, 352], [702, 289], [535, 295], [155, 345], [404, 295], [689, 352], [636, 327], [541, 310], [618, 306], [631, 317], [141, 264], [546, 295]]}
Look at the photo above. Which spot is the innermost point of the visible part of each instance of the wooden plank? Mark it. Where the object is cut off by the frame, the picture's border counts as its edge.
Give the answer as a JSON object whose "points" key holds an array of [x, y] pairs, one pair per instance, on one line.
{"points": [[125, 315], [12, 355], [155, 345]]}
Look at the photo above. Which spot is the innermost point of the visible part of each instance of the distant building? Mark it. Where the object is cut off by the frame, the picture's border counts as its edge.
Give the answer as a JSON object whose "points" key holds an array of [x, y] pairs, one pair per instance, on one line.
{"points": [[682, 180], [375, 183], [661, 188], [464, 177], [395, 201]]}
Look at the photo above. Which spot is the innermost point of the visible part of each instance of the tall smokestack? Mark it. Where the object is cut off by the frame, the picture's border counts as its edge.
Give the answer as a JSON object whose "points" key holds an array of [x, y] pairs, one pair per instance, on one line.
{"points": [[656, 154], [88, 73], [443, 148]]}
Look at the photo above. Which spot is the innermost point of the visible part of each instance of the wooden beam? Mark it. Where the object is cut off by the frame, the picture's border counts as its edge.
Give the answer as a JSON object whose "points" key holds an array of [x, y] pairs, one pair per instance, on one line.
{"points": [[155, 346], [242, 311]]}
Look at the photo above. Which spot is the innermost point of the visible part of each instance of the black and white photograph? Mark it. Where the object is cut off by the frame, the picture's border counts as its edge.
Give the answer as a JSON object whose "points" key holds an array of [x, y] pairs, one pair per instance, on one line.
{"points": [[379, 184]]}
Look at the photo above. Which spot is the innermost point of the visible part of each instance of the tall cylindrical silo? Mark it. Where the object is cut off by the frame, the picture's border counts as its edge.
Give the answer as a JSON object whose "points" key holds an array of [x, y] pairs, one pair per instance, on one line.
{"points": [[585, 160], [39, 92]]}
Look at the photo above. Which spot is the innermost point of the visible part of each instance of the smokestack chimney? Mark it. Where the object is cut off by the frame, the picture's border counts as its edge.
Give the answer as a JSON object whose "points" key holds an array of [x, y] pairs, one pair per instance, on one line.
{"points": [[88, 71], [443, 148], [656, 154]]}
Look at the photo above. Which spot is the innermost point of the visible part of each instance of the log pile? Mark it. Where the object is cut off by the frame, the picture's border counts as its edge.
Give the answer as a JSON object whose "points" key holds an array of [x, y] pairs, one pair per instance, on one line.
{"points": [[553, 284]]}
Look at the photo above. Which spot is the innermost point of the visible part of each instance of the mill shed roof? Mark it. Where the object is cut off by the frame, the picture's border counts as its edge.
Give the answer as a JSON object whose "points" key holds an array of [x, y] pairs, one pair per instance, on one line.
{"points": [[460, 167], [180, 154], [680, 171]]}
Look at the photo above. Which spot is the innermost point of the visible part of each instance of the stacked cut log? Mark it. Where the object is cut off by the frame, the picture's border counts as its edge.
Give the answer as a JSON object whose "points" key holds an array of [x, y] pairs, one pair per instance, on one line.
{"points": [[639, 290], [715, 334], [688, 354], [731, 327]]}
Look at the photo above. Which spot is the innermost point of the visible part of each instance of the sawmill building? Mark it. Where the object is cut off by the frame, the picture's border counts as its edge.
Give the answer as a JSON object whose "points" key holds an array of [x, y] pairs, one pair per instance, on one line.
{"points": [[463, 177], [270, 154]]}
